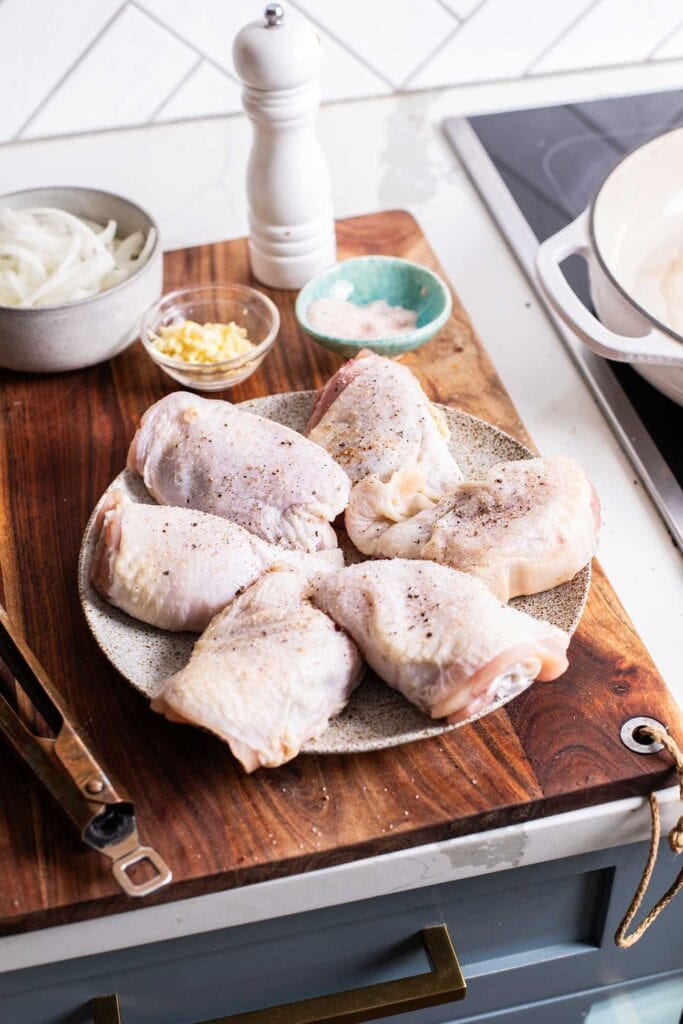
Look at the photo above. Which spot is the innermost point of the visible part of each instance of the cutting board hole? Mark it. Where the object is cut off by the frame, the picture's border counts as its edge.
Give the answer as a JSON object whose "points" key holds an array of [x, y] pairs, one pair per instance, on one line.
{"points": [[636, 735]]}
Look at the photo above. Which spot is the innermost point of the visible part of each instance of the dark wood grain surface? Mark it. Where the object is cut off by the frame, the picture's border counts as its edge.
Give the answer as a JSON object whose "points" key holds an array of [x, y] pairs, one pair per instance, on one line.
{"points": [[556, 747]]}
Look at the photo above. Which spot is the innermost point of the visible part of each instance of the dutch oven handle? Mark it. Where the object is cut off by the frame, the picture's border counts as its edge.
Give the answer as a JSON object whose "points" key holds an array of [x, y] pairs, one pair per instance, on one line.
{"points": [[574, 239]]}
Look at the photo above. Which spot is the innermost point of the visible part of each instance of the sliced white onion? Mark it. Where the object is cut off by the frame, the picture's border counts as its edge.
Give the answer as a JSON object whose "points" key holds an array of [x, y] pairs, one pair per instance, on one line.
{"points": [[49, 256]]}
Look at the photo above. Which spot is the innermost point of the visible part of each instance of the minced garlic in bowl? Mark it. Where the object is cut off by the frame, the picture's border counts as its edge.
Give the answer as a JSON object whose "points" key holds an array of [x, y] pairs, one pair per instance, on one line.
{"points": [[202, 343], [210, 337]]}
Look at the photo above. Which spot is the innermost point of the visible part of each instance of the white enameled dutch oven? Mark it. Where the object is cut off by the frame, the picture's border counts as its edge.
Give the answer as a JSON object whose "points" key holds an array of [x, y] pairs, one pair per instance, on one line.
{"points": [[632, 239]]}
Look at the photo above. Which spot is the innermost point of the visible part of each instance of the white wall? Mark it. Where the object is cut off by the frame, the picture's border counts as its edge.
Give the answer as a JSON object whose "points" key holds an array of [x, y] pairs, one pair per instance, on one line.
{"points": [[73, 66]]}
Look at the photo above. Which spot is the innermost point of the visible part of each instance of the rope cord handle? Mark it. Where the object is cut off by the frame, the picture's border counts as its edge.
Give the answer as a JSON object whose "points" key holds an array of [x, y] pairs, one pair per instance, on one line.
{"points": [[675, 842]]}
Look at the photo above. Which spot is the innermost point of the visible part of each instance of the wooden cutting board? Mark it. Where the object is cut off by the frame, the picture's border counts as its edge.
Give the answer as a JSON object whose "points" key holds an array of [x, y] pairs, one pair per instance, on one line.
{"points": [[556, 747]]}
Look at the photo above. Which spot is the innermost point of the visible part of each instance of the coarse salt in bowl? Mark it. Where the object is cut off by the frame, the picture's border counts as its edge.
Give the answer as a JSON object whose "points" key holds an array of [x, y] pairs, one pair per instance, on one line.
{"points": [[366, 279]]}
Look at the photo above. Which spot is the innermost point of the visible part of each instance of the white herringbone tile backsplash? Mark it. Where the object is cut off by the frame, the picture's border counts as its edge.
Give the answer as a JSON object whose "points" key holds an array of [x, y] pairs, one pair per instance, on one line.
{"points": [[70, 66]]}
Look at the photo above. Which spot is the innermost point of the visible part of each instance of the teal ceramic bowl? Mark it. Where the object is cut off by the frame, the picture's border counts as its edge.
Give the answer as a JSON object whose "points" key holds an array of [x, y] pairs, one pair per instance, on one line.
{"points": [[367, 278]]}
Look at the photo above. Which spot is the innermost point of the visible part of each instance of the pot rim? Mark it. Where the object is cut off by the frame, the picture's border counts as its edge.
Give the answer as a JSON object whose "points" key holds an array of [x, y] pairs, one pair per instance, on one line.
{"points": [[596, 249]]}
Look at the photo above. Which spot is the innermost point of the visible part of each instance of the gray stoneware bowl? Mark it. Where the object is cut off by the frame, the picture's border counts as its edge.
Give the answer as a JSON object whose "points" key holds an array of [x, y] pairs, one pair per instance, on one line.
{"points": [[72, 335]]}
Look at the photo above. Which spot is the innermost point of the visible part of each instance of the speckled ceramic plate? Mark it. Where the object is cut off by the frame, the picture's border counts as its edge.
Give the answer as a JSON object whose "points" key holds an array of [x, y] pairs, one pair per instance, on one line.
{"points": [[376, 715]]}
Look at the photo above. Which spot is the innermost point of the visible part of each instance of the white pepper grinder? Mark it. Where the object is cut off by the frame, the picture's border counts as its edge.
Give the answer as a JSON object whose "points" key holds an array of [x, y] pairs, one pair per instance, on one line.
{"points": [[291, 220]]}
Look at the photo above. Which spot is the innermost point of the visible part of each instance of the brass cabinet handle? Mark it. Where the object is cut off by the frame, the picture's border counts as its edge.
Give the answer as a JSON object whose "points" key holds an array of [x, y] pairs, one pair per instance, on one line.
{"points": [[443, 984], [105, 1009]]}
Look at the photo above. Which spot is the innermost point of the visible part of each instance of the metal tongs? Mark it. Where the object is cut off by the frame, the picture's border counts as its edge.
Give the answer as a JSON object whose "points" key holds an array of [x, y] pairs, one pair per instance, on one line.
{"points": [[103, 813]]}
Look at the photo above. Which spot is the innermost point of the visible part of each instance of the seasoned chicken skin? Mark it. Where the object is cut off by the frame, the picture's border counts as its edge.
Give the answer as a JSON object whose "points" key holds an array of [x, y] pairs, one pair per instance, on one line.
{"points": [[209, 455], [526, 526], [175, 568], [267, 675], [372, 416], [439, 636]]}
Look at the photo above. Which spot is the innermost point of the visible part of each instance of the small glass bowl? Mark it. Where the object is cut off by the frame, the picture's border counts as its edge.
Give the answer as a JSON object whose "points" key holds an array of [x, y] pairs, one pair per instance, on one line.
{"points": [[218, 303]]}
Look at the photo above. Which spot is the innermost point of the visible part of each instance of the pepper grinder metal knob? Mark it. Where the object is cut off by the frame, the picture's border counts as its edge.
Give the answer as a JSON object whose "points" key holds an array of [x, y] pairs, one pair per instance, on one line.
{"points": [[273, 14], [291, 220]]}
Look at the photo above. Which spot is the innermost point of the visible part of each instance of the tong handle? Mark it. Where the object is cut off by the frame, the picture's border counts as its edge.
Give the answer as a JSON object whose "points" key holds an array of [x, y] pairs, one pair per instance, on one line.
{"points": [[71, 773], [38, 754], [24, 666], [68, 748]]}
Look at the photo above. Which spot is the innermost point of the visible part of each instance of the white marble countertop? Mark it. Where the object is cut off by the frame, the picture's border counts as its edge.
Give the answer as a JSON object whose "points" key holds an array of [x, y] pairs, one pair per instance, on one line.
{"points": [[388, 153]]}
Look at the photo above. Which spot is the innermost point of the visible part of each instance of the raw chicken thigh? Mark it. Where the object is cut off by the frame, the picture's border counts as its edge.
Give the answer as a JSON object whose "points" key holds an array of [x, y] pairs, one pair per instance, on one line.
{"points": [[175, 568], [524, 527], [438, 636], [267, 675], [372, 416], [209, 455]]}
